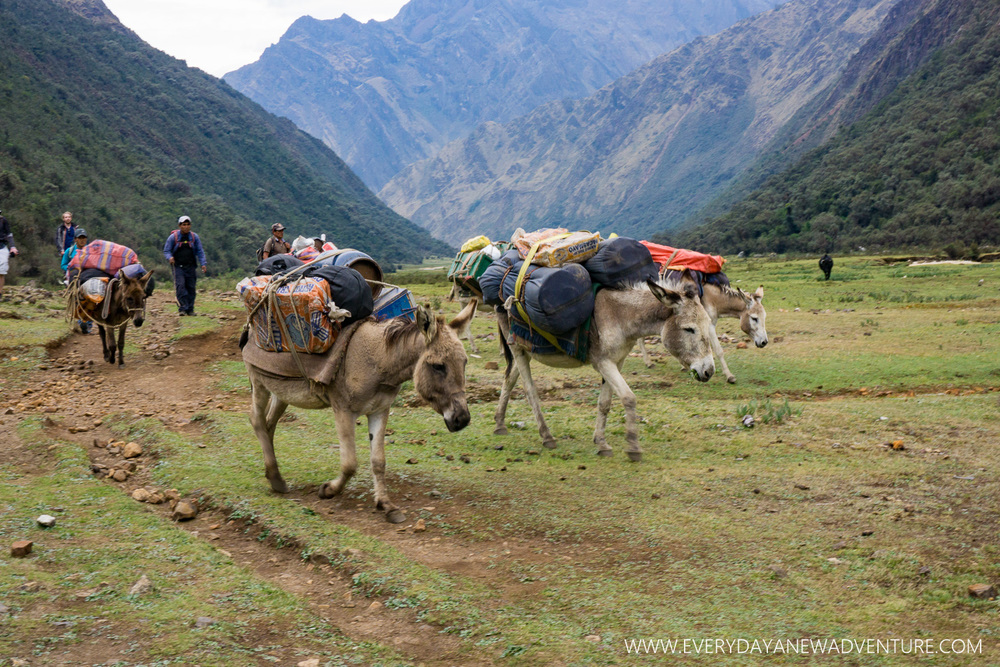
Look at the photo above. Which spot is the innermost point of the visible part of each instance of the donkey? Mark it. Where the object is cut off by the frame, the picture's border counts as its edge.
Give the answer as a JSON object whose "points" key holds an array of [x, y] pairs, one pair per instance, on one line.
{"points": [[124, 300], [726, 301], [378, 358], [463, 299], [621, 316]]}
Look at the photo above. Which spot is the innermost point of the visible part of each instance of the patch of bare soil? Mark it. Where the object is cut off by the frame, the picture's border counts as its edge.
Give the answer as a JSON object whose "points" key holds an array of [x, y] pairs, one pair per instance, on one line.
{"points": [[166, 380]]}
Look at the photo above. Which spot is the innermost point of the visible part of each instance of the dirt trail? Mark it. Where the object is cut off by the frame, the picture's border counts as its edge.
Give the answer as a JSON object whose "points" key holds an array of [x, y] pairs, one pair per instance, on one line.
{"points": [[166, 380]]}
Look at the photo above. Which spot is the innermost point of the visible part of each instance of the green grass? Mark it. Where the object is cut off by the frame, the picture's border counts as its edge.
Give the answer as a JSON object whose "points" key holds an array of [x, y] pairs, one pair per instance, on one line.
{"points": [[722, 531]]}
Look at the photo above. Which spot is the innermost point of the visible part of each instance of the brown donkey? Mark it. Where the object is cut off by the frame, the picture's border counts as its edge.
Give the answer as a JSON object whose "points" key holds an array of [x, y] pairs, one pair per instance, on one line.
{"points": [[124, 300], [378, 359]]}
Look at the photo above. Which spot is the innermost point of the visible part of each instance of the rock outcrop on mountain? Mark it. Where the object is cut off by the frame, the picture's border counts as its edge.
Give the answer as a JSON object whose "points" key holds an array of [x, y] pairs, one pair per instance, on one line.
{"points": [[387, 94], [647, 150]]}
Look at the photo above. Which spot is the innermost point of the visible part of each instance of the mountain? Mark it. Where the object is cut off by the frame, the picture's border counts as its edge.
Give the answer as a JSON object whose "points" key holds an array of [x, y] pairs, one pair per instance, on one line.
{"points": [[645, 151], [96, 121], [386, 94], [905, 148]]}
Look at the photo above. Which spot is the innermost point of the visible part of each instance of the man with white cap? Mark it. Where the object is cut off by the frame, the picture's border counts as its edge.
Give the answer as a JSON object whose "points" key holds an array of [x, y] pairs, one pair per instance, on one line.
{"points": [[184, 252]]}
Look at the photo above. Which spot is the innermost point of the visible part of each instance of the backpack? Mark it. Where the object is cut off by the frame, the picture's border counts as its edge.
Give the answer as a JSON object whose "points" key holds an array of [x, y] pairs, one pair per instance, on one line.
{"points": [[260, 253]]}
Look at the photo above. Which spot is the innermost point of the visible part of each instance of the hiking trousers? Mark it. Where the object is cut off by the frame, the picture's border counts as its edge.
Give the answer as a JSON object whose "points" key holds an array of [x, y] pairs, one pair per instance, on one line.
{"points": [[185, 280]]}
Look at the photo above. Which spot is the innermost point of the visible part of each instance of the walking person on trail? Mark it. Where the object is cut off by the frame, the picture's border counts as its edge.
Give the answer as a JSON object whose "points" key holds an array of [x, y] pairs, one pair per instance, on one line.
{"points": [[276, 244], [79, 240], [65, 233], [7, 250], [184, 252]]}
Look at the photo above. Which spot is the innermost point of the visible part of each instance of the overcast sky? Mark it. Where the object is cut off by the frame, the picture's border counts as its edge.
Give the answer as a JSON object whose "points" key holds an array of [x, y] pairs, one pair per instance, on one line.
{"points": [[219, 36]]}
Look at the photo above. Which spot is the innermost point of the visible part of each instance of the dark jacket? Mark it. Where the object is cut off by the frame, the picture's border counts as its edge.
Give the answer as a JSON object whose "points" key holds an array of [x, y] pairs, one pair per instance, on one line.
{"points": [[65, 236], [171, 246], [6, 235]]}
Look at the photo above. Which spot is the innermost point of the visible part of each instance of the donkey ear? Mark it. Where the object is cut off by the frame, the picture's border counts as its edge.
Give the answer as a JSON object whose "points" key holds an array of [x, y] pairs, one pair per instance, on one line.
{"points": [[426, 322], [666, 295], [759, 294], [465, 316]]}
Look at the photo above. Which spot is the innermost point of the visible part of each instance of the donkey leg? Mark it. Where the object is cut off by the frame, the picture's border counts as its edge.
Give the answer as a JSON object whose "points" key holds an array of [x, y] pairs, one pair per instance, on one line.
{"points": [[501, 413], [717, 349], [645, 354], [105, 336], [260, 400], [121, 345], [523, 362], [603, 407], [348, 457], [376, 439], [610, 372]]}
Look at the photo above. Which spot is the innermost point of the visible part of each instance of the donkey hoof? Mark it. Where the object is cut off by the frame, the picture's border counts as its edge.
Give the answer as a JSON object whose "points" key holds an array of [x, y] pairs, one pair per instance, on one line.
{"points": [[604, 452], [500, 430], [395, 516], [635, 456], [731, 379], [327, 490], [279, 486], [549, 444]]}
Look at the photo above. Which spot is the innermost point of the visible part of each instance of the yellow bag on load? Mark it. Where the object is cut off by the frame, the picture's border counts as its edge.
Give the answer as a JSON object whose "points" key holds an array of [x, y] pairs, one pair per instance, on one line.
{"points": [[558, 246], [476, 243]]}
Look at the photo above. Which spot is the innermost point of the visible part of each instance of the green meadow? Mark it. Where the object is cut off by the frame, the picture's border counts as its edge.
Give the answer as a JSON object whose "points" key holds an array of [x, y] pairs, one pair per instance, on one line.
{"points": [[851, 518]]}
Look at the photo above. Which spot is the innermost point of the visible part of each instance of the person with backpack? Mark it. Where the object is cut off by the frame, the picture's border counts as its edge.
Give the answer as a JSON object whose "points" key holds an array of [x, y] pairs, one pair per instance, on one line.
{"points": [[79, 240], [184, 252], [7, 249], [65, 233], [275, 244]]}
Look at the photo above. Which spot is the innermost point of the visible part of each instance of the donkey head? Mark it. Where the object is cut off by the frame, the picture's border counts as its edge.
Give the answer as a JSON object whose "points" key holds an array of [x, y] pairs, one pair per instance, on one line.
{"points": [[439, 376], [132, 294], [752, 318], [687, 332]]}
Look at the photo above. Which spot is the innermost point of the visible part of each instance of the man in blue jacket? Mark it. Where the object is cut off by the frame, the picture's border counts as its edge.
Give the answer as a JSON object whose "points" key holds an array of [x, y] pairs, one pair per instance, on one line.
{"points": [[184, 252]]}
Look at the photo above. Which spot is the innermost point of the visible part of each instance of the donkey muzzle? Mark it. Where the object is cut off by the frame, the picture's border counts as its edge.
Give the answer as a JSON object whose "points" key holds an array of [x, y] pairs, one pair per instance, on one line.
{"points": [[457, 416]]}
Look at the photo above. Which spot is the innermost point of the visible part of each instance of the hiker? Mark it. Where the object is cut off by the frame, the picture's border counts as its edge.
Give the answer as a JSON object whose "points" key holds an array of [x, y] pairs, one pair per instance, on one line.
{"points": [[79, 240], [826, 265], [7, 250], [65, 233], [184, 252], [276, 244]]}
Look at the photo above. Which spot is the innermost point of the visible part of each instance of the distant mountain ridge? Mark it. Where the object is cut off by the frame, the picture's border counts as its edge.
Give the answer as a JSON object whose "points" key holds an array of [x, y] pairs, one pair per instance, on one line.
{"points": [[902, 152], [386, 94], [649, 149], [98, 122]]}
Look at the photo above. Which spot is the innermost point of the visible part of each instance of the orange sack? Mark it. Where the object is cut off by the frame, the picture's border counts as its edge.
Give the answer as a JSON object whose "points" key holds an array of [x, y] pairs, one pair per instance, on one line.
{"points": [[685, 259], [302, 306]]}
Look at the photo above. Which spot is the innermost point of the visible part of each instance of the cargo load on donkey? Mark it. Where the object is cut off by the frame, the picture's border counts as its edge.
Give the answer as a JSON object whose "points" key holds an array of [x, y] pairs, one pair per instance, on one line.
{"points": [[472, 260], [296, 306], [552, 306], [304, 313]]}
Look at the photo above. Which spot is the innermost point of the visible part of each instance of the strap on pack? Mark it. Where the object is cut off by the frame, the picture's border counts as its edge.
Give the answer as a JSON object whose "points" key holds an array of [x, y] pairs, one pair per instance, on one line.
{"points": [[519, 288]]}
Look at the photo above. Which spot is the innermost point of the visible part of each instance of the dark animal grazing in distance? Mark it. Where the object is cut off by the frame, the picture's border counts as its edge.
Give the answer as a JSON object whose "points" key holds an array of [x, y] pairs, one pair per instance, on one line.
{"points": [[826, 265]]}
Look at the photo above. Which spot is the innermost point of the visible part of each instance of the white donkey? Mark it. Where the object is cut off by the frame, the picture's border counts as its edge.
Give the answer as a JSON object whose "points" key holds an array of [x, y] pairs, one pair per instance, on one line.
{"points": [[621, 316], [726, 301]]}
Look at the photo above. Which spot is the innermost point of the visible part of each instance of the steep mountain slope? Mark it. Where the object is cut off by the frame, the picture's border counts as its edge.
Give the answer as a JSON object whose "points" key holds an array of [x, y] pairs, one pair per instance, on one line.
{"points": [[646, 150], [96, 121], [921, 169], [386, 94]]}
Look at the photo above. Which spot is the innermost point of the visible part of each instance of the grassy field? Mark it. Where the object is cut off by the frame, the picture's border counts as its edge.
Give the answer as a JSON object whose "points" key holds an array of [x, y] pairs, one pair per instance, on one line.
{"points": [[862, 504]]}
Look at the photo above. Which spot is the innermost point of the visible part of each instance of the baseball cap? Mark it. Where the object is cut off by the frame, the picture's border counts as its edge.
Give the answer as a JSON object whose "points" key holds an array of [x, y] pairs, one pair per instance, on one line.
{"points": [[277, 227], [80, 231], [183, 219]]}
